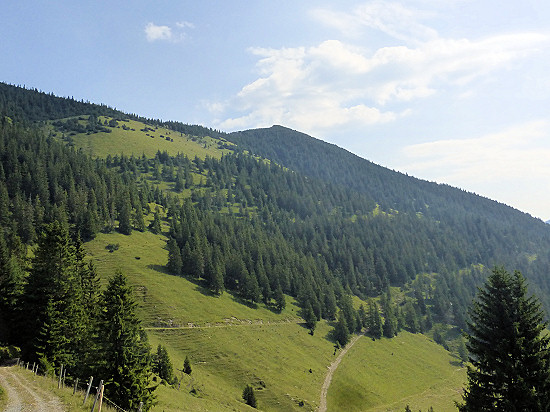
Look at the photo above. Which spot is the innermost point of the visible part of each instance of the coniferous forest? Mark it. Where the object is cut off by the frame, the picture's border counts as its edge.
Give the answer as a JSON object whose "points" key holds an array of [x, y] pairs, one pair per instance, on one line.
{"points": [[278, 215]]}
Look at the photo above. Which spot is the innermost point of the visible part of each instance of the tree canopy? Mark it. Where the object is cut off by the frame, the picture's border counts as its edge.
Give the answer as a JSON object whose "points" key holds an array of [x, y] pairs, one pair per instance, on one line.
{"points": [[509, 352]]}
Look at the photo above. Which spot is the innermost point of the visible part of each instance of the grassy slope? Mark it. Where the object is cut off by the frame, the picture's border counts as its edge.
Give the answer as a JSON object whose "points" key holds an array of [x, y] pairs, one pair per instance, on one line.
{"points": [[232, 344], [387, 374], [137, 142]]}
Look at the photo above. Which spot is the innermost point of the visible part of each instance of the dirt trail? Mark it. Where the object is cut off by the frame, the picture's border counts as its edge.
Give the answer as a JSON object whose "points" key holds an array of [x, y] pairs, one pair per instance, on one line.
{"points": [[24, 395], [331, 369]]}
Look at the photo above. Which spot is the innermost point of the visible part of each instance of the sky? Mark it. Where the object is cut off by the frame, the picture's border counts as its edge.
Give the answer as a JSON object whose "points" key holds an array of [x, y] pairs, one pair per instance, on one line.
{"points": [[451, 91]]}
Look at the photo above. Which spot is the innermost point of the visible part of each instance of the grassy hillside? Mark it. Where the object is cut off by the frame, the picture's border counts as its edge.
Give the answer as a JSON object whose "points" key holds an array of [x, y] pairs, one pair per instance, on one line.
{"points": [[232, 344], [388, 374], [138, 138]]}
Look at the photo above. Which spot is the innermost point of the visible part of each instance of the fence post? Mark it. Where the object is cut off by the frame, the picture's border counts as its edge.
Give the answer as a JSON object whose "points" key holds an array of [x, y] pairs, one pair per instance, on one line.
{"points": [[75, 385], [97, 395], [100, 398], [140, 406], [88, 390], [60, 375]]}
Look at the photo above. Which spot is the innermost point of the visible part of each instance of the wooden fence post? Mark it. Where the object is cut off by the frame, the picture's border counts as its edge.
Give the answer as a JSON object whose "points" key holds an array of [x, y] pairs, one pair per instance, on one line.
{"points": [[88, 390], [60, 375], [100, 398], [75, 385], [97, 395], [140, 406]]}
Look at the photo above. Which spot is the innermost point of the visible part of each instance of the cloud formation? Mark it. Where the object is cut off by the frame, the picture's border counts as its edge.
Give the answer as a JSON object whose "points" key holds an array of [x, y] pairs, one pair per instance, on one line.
{"points": [[335, 83], [520, 152], [155, 32]]}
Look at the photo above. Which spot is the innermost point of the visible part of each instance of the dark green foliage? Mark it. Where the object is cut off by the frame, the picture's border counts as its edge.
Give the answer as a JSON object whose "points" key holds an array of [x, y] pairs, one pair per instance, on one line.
{"points": [[155, 223], [341, 331], [175, 263], [280, 301], [509, 349], [54, 310], [375, 327], [310, 318], [249, 396], [187, 366], [162, 365], [126, 358]]}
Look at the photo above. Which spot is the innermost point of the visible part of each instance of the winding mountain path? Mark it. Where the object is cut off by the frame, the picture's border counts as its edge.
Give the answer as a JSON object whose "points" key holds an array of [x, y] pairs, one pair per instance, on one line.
{"points": [[24, 395], [331, 369]]}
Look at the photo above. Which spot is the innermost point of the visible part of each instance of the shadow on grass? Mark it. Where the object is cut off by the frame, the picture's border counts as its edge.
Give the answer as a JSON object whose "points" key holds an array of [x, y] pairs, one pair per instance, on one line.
{"points": [[159, 268], [457, 363], [247, 303]]}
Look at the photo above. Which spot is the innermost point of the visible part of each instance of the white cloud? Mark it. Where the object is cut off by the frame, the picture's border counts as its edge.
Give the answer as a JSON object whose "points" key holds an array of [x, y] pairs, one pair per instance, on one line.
{"points": [[334, 83], [392, 18], [510, 166], [155, 32], [520, 152]]}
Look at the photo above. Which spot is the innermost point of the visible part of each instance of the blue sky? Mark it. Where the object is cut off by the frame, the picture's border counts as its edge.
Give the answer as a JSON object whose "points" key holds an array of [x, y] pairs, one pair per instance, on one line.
{"points": [[453, 91]]}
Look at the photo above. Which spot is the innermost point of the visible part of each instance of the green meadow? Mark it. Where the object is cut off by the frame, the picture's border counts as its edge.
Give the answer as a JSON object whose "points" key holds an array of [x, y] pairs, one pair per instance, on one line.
{"points": [[133, 140], [388, 374], [232, 344]]}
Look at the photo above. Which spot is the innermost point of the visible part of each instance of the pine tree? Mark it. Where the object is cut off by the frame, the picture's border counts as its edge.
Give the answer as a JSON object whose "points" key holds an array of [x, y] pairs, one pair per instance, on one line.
{"points": [[162, 365], [375, 322], [509, 350], [249, 396], [126, 365], [341, 331], [187, 366], [54, 315], [309, 317], [279, 297], [175, 262], [155, 226]]}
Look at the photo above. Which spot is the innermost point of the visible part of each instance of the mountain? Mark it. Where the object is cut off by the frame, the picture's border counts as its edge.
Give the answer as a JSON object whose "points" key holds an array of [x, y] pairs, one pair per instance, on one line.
{"points": [[220, 228]]}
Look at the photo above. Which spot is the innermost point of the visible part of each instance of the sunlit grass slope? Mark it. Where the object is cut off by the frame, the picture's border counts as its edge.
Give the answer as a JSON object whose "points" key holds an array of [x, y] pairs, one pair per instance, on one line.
{"points": [[230, 344], [387, 374], [137, 138]]}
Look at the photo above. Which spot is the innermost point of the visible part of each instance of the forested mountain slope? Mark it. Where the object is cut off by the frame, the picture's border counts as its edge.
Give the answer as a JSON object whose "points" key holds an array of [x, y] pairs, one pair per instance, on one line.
{"points": [[270, 216], [324, 209]]}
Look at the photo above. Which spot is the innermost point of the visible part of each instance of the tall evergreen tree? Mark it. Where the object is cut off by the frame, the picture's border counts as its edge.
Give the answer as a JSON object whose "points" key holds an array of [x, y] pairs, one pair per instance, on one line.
{"points": [[175, 262], [127, 361], [54, 312], [508, 350]]}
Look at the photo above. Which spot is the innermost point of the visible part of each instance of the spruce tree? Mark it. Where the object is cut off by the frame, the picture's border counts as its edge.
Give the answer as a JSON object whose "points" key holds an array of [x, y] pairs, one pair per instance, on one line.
{"points": [[341, 331], [249, 396], [54, 315], [508, 350], [187, 366], [162, 365], [126, 358], [155, 225], [175, 262]]}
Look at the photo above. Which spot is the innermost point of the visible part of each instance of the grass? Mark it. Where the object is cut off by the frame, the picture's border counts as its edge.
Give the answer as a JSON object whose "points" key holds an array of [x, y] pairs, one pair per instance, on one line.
{"points": [[232, 344], [285, 365], [138, 142], [72, 402], [3, 398], [388, 374]]}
